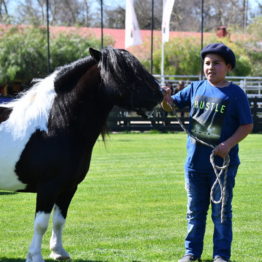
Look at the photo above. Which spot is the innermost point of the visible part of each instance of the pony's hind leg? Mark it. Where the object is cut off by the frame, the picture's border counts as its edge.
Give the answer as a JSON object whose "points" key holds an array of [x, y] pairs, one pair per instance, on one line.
{"points": [[56, 246], [40, 227]]}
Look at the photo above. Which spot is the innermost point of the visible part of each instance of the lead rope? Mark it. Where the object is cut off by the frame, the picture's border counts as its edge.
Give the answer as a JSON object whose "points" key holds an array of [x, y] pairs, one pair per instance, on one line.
{"points": [[218, 170]]}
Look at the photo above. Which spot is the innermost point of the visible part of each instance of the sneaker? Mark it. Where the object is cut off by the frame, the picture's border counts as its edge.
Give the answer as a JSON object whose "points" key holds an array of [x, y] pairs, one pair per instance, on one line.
{"points": [[188, 258], [220, 259]]}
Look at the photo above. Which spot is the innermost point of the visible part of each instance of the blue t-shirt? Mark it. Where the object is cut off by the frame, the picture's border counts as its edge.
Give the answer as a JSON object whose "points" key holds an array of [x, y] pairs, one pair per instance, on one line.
{"points": [[215, 114]]}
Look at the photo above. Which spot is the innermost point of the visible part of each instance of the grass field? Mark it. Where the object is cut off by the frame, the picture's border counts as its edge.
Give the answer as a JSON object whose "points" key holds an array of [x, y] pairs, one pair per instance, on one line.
{"points": [[132, 205]]}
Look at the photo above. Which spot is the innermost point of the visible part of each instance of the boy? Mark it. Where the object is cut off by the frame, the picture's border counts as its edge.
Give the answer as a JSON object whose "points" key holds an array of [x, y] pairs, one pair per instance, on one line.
{"points": [[219, 115]]}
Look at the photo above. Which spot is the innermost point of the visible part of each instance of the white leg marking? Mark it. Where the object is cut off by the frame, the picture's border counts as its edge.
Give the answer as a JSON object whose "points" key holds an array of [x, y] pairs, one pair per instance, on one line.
{"points": [[56, 245], [40, 227]]}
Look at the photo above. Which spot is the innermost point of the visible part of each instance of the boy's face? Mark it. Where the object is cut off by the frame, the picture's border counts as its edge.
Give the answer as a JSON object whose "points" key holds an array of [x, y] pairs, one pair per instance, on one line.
{"points": [[215, 68]]}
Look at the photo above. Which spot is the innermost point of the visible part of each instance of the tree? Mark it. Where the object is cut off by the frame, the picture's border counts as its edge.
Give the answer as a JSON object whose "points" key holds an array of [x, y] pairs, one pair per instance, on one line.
{"points": [[144, 13], [186, 14], [67, 12], [23, 52], [114, 18], [4, 15], [182, 56], [254, 46]]}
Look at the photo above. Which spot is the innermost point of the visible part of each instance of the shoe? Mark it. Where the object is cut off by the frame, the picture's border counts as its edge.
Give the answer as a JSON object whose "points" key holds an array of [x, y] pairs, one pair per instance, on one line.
{"points": [[188, 258], [220, 259]]}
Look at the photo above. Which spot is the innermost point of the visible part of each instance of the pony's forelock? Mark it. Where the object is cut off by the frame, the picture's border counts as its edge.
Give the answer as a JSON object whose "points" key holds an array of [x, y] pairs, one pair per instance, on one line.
{"points": [[122, 67]]}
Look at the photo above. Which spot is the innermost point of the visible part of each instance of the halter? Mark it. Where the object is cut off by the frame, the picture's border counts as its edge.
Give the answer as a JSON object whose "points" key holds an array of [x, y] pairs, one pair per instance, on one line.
{"points": [[218, 170]]}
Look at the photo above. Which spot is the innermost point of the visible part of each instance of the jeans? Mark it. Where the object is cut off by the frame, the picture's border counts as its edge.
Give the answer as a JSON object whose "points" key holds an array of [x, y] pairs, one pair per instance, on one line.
{"points": [[198, 186]]}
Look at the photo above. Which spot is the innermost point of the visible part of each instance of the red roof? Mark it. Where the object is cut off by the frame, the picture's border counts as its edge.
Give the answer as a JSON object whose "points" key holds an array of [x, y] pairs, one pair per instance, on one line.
{"points": [[119, 34]]}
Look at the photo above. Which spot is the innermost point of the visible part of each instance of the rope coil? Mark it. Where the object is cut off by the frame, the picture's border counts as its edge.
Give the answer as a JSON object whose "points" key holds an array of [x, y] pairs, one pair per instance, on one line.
{"points": [[218, 170]]}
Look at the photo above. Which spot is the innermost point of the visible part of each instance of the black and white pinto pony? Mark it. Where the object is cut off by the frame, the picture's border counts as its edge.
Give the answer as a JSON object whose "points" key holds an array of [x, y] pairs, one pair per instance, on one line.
{"points": [[47, 135]]}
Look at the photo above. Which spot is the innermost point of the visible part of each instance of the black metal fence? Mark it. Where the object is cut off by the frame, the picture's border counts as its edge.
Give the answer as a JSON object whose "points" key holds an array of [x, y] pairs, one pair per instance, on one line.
{"points": [[120, 120]]}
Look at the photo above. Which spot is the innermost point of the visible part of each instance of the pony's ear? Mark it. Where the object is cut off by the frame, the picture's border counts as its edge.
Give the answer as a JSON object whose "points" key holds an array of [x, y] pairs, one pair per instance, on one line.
{"points": [[95, 54]]}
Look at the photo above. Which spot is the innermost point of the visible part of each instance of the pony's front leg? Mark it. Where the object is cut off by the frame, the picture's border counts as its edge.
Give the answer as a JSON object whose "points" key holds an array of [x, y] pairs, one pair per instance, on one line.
{"points": [[40, 227], [56, 246], [59, 217]]}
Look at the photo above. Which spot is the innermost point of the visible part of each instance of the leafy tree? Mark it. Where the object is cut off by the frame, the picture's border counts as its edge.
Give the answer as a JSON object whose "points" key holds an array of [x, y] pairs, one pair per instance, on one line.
{"points": [[254, 46], [23, 52], [114, 18], [182, 56], [69, 12], [255, 28], [186, 14]]}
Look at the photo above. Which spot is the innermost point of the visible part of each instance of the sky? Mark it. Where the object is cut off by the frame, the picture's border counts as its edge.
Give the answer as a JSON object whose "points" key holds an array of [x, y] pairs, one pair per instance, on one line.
{"points": [[114, 3], [253, 3]]}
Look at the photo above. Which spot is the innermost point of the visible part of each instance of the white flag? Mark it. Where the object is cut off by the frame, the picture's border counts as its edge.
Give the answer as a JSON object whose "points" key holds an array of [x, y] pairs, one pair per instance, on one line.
{"points": [[167, 10], [132, 32]]}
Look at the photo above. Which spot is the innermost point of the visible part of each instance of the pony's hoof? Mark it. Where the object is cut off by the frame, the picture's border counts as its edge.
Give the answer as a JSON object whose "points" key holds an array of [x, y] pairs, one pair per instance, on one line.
{"points": [[34, 258], [60, 255]]}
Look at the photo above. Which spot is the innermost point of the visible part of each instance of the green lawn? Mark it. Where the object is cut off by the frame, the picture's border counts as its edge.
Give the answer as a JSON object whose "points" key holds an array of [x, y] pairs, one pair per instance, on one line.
{"points": [[132, 205]]}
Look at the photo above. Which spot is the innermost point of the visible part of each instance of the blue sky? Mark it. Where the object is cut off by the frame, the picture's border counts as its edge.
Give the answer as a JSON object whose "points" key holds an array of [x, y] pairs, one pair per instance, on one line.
{"points": [[114, 3]]}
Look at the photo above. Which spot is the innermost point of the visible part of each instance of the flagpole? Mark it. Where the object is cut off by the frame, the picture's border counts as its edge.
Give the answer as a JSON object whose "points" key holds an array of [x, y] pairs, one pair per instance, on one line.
{"points": [[163, 63], [48, 36], [166, 16], [102, 25], [152, 36], [202, 34]]}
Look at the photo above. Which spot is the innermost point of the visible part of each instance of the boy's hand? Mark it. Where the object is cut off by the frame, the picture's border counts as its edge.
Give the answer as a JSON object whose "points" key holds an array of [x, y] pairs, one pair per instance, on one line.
{"points": [[222, 150], [167, 100]]}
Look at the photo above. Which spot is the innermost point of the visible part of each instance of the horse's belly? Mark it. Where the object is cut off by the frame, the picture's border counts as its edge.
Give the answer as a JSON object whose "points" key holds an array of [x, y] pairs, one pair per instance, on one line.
{"points": [[10, 152]]}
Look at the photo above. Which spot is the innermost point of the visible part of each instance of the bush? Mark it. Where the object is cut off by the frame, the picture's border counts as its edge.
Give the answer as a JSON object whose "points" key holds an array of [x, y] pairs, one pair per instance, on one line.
{"points": [[256, 61], [67, 48], [23, 52], [182, 57], [254, 45]]}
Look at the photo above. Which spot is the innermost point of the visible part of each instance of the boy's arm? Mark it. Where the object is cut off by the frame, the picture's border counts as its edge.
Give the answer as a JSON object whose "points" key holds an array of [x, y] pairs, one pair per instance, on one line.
{"points": [[223, 148]]}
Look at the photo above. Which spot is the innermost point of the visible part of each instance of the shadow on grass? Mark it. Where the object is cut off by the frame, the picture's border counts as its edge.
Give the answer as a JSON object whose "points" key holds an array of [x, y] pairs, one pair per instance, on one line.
{"points": [[4, 259], [6, 193], [211, 260]]}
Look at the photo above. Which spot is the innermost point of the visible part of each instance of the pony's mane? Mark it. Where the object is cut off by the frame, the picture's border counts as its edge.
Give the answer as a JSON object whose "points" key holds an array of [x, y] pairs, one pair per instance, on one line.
{"points": [[31, 109], [68, 75], [122, 67]]}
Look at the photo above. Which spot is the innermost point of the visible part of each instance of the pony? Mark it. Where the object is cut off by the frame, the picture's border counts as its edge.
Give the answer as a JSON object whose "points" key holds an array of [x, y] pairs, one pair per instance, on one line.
{"points": [[48, 133]]}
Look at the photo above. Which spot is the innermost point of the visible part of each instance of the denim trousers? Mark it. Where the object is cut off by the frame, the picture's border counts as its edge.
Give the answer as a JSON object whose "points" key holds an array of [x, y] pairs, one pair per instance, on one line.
{"points": [[198, 186]]}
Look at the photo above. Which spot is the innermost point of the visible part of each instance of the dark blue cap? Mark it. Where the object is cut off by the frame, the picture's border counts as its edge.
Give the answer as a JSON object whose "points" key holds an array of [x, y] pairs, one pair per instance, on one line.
{"points": [[222, 50]]}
